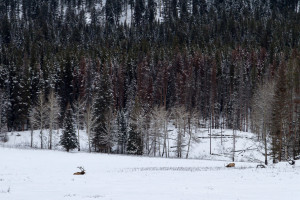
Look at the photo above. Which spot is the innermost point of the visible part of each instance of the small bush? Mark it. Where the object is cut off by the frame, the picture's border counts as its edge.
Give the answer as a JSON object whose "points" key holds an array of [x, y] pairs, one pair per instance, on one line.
{"points": [[4, 138]]}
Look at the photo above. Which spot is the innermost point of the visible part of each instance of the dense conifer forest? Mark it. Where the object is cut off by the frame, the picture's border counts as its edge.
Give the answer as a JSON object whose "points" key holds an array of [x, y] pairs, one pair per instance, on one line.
{"points": [[127, 68]]}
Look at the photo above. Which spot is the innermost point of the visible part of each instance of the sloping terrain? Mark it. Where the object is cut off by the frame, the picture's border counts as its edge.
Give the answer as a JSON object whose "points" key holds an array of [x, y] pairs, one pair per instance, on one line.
{"points": [[48, 175]]}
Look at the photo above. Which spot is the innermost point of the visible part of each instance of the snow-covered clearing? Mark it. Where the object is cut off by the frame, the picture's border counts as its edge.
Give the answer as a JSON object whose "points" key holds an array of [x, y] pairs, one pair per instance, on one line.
{"points": [[27, 173], [247, 147], [44, 174]]}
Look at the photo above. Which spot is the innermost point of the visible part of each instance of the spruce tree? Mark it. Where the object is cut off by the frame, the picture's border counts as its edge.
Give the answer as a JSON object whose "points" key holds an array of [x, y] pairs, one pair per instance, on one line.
{"points": [[278, 115], [68, 138], [151, 11], [139, 10], [103, 102], [134, 143], [135, 138], [109, 11], [122, 136]]}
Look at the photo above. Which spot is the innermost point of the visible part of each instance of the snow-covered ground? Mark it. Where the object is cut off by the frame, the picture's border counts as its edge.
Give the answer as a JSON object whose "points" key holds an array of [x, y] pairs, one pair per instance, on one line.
{"points": [[48, 175], [247, 147]]}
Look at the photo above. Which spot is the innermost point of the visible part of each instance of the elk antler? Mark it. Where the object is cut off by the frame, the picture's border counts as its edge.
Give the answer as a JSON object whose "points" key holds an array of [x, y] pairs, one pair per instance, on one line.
{"points": [[82, 171]]}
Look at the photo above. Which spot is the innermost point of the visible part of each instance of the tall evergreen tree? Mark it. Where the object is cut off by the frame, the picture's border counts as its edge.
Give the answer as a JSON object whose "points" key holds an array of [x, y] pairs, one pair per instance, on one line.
{"points": [[122, 136], [151, 11], [139, 11], [195, 7], [66, 82], [103, 103], [6, 29], [134, 144], [109, 11], [278, 115], [135, 137], [68, 138]]}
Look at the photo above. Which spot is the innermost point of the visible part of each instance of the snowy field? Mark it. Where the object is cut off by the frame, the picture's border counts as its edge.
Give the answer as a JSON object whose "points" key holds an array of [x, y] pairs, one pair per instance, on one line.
{"points": [[27, 173], [48, 175]]}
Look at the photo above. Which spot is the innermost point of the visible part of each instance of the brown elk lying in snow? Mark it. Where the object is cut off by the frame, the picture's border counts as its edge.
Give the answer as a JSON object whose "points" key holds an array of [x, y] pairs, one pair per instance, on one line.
{"points": [[230, 165], [82, 171]]}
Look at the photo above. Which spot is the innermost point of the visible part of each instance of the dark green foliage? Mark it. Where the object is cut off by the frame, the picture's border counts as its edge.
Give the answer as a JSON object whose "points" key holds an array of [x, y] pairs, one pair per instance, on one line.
{"points": [[113, 10], [109, 11], [135, 138], [5, 29], [139, 11], [151, 11], [279, 114], [122, 129], [134, 143], [103, 102], [208, 56], [68, 138], [66, 82]]}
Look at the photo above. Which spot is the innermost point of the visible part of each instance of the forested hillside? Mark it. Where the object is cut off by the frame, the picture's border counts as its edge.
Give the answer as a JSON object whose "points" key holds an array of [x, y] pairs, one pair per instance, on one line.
{"points": [[126, 68]]}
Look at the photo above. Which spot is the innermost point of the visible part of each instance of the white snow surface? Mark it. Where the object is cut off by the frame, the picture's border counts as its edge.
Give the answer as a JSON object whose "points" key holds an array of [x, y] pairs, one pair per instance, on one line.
{"points": [[35, 174], [48, 175], [247, 146]]}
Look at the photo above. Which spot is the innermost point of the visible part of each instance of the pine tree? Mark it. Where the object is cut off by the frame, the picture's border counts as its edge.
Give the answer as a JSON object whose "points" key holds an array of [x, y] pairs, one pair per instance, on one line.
{"points": [[68, 138], [196, 7], [184, 9], [66, 83], [109, 11], [278, 115], [139, 10], [134, 143], [135, 137], [103, 103], [151, 11], [122, 129], [5, 30]]}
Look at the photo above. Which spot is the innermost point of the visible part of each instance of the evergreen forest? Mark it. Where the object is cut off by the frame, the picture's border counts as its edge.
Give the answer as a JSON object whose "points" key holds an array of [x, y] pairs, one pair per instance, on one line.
{"points": [[128, 68]]}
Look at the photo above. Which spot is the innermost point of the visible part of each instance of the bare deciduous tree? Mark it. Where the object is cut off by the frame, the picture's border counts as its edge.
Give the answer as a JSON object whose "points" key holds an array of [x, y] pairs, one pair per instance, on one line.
{"points": [[164, 118], [38, 116], [261, 112], [192, 120], [90, 122], [180, 116], [53, 110], [159, 128], [155, 133], [78, 111]]}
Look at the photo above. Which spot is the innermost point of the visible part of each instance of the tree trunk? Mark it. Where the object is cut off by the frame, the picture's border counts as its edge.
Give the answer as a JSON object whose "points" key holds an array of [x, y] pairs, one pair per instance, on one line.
{"points": [[280, 144], [221, 131], [210, 137], [166, 136], [189, 143], [155, 140], [78, 139], [233, 149], [265, 143], [50, 136], [41, 134], [89, 137], [31, 136]]}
